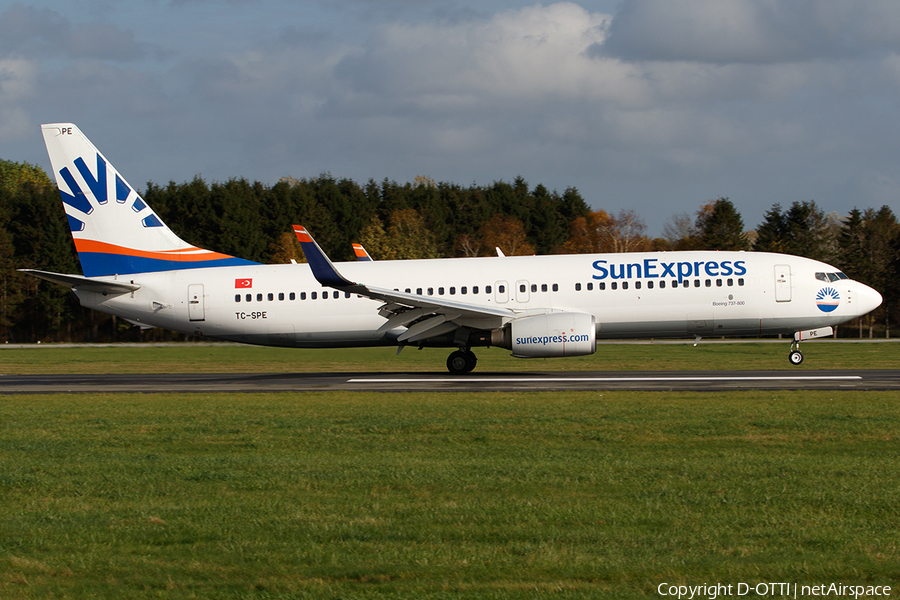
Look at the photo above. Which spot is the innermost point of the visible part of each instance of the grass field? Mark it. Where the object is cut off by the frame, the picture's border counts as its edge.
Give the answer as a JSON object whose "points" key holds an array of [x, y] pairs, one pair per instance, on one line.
{"points": [[522, 495], [220, 358], [513, 495]]}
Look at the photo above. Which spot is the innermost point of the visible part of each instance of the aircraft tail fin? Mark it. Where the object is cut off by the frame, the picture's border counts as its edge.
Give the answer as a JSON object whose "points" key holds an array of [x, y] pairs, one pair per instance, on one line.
{"points": [[115, 232], [361, 253]]}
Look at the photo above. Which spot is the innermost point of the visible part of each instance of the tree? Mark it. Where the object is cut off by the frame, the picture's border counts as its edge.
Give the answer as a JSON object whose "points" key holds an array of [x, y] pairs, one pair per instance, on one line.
{"points": [[506, 233], [679, 232], [802, 231], [586, 234], [406, 237], [624, 233], [719, 227]]}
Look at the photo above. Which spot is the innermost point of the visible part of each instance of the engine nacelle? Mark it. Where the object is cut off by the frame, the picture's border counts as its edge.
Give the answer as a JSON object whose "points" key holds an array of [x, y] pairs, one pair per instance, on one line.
{"points": [[550, 335]]}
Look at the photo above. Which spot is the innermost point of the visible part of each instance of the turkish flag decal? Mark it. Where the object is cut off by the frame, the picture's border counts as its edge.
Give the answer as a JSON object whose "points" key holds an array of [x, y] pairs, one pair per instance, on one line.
{"points": [[243, 283]]}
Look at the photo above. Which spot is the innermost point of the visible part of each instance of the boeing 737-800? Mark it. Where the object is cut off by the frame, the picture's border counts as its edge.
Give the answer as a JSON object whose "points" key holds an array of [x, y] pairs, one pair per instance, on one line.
{"points": [[136, 268]]}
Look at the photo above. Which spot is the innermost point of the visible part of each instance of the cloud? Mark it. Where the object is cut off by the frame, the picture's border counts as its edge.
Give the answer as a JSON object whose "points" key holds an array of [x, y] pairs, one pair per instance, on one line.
{"points": [[523, 54], [17, 86], [32, 32], [751, 31]]}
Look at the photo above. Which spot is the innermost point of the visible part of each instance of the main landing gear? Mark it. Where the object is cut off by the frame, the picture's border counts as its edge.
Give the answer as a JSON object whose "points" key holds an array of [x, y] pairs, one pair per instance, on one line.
{"points": [[461, 362]]}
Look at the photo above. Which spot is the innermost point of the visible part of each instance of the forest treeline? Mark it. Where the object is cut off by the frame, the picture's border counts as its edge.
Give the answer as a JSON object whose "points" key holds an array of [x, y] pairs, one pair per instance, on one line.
{"points": [[419, 219]]}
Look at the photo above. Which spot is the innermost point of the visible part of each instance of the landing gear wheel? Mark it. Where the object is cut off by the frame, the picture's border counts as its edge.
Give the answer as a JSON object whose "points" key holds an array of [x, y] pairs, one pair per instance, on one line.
{"points": [[457, 363], [461, 362], [471, 361], [796, 357]]}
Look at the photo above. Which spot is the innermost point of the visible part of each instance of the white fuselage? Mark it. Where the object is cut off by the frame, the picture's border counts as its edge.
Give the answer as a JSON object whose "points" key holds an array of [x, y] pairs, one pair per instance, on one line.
{"points": [[667, 294]]}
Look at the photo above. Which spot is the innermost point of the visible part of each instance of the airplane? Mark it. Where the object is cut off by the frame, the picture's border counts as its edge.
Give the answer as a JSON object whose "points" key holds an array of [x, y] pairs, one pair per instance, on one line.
{"points": [[136, 268]]}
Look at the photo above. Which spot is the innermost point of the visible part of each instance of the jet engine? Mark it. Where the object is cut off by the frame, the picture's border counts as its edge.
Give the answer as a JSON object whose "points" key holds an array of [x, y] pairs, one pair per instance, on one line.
{"points": [[548, 335]]}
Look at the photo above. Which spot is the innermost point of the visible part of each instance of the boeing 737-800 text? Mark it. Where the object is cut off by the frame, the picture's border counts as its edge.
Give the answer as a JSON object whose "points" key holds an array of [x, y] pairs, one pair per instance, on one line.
{"points": [[136, 268]]}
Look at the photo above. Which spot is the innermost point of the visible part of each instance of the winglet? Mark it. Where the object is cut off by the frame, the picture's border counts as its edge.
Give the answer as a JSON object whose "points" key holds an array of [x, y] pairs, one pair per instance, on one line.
{"points": [[322, 268], [361, 253]]}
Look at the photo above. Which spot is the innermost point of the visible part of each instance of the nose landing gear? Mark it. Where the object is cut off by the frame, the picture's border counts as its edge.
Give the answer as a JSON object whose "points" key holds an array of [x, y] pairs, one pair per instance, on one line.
{"points": [[461, 362]]}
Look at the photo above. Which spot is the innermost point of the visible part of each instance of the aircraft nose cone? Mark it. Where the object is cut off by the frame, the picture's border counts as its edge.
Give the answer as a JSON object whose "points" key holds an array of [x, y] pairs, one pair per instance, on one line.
{"points": [[867, 299]]}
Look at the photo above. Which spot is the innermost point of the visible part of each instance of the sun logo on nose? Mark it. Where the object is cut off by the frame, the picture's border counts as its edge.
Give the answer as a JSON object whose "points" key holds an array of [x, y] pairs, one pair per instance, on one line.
{"points": [[828, 299]]}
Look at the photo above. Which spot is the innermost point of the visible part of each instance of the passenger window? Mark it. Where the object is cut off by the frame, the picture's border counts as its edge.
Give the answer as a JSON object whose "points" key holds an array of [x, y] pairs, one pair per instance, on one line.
{"points": [[475, 289], [637, 285], [487, 289], [543, 287], [741, 281], [614, 285], [346, 294], [590, 286], [237, 297], [271, 297], [709, 283], [407, 291], [419, 291], [463, 290], [431, 291], [281, 295], [324, 295], [624, 285], [730, 282], [312, 295], [718, 283], [696, 283], [533, 288], [522, 288], [259, 297], [501, 289], [662, 285], [555, 287], [453, 291], [577, 287], [249, 297], [602, 285], [649, 285]]}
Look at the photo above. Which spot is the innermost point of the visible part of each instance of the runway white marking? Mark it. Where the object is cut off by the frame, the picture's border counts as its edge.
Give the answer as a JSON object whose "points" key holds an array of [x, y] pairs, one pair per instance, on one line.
{"points": [[608, 379]]}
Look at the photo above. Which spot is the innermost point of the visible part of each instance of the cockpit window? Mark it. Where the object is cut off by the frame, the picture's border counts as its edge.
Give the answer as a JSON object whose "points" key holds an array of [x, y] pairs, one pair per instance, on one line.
{"points": [[831, 276]]}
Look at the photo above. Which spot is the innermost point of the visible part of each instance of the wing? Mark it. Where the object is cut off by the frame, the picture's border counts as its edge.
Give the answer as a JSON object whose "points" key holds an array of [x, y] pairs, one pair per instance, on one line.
{"points": [[424, 316]]}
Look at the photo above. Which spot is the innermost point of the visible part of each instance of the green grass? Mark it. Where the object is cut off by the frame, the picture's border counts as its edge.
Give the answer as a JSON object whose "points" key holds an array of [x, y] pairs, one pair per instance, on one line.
{"points": [[220, 358], [512, 495]]}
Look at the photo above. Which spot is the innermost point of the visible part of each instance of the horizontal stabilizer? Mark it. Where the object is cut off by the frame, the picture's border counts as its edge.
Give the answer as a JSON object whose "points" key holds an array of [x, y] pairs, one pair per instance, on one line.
{"points": [[77, 282]]}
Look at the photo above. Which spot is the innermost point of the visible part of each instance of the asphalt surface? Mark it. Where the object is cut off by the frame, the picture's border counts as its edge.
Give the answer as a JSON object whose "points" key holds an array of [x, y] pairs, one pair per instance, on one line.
{"points": [[442, 382]]}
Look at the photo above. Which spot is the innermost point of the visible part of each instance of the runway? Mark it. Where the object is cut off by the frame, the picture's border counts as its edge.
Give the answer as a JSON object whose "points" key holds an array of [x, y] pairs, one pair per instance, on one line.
{"points": [[441, 382]]}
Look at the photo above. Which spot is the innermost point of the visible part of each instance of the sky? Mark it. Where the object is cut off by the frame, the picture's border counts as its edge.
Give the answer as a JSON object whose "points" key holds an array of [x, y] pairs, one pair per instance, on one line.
{"points": [[657, 106]]}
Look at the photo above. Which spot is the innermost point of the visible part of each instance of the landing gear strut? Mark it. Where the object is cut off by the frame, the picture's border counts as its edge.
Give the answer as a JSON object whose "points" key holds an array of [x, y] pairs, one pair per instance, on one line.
{"points": [[461, 362], [796, 357]]}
